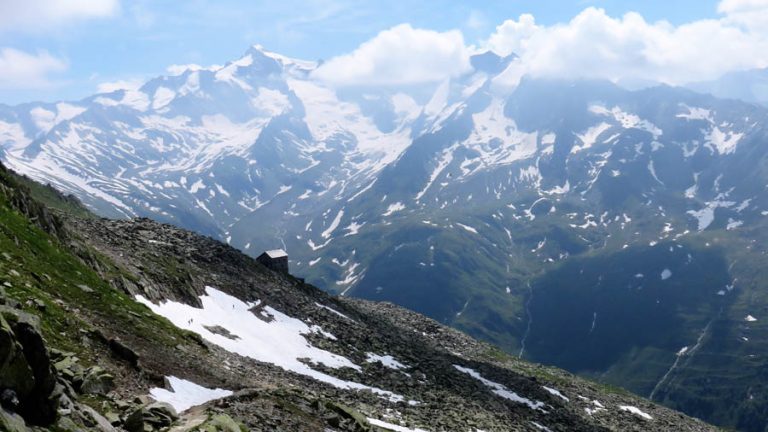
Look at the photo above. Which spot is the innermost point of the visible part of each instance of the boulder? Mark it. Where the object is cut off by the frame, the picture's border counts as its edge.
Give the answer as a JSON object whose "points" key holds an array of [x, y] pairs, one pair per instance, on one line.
{"points": [[124, 352], [95, 420], [156, 415], [113, 418], [68, 367], [342, 417], [85, 288], [66, 424], [11, 422], [97, 381], [220, 423]]}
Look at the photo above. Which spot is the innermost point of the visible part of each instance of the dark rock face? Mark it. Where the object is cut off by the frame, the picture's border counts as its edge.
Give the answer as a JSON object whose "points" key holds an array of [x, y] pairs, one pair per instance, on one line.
{"points": [[16, 375], [124, 352], [27, 369]]}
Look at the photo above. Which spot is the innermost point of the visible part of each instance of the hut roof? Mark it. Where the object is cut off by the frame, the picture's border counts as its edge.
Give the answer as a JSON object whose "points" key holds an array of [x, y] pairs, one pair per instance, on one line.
{"points": [[276, 253]]}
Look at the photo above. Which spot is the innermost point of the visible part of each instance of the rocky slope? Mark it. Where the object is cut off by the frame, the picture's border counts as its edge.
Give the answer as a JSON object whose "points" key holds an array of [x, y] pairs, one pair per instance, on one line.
{"points": [[101, 313]]}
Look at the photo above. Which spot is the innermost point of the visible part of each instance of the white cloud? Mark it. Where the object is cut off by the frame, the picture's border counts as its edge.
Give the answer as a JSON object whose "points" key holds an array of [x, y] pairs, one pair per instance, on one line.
{"points": [[476, 20], [752, 14], [178, 69], [40, 15], [21, 70], [111, 86], [513, 36], [740, 6], [630, 49], [399, 55], [43, 118]]}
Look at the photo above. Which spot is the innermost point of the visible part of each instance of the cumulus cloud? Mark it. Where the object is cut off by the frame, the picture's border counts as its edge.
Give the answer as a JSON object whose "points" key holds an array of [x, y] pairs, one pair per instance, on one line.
{"points": [[36, 15], [626, 49], [630, 49], [401, 55], [22, 70], [752, 14]]}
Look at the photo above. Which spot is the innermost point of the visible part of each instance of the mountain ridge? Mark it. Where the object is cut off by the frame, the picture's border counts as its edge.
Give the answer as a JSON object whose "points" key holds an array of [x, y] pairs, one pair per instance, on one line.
{"points": [[124, 260]]}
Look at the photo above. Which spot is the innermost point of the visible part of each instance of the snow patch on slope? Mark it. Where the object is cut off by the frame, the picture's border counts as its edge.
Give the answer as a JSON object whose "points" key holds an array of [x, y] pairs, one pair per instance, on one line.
{"points": [[393, 208], [500, 390], [334, 224], [277, 339], [163, 96], [694, 113], [627, 120], [186, 394], [328, 116], [497, 139], [392, 427], [723, 141], [589, 137], [637, 411], [706, 215], [386, 360], [445, 159]]}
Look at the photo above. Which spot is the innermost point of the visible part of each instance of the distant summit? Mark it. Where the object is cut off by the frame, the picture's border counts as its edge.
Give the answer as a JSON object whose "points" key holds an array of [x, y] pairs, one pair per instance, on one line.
{"points": [[490, 62]]}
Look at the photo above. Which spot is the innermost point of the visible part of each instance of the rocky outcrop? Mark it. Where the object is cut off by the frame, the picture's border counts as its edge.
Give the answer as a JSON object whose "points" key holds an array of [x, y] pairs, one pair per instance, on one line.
{"points": [[27, 379], [122, 351], [150, 417], [20, 198], [40, 387]]}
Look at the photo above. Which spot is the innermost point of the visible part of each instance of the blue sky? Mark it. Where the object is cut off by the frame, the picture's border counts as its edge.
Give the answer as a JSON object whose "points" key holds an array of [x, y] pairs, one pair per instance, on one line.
{"points": [[78, 49]]}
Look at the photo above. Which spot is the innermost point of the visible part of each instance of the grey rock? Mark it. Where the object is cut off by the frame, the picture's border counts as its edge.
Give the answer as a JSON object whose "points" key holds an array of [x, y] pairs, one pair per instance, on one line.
{"points": [[150, 417], [66, 424], [124, 352], [10, 422], [113, 418], [85, 288], [96, 420], [220, 423], [97, 381]]}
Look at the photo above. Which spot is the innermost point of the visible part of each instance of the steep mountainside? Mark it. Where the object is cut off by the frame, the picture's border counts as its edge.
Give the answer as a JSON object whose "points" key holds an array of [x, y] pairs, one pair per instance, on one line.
{"points": [[266, 351], [614, 233]]}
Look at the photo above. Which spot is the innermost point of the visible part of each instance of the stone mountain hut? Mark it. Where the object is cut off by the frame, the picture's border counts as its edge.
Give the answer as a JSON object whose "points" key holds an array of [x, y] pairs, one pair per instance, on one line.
{"points": [[276, 260]]}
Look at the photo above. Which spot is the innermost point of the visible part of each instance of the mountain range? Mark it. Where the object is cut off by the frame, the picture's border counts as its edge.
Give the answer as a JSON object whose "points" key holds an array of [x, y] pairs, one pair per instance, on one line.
{"points": [[132, 325], [617, 234]]}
